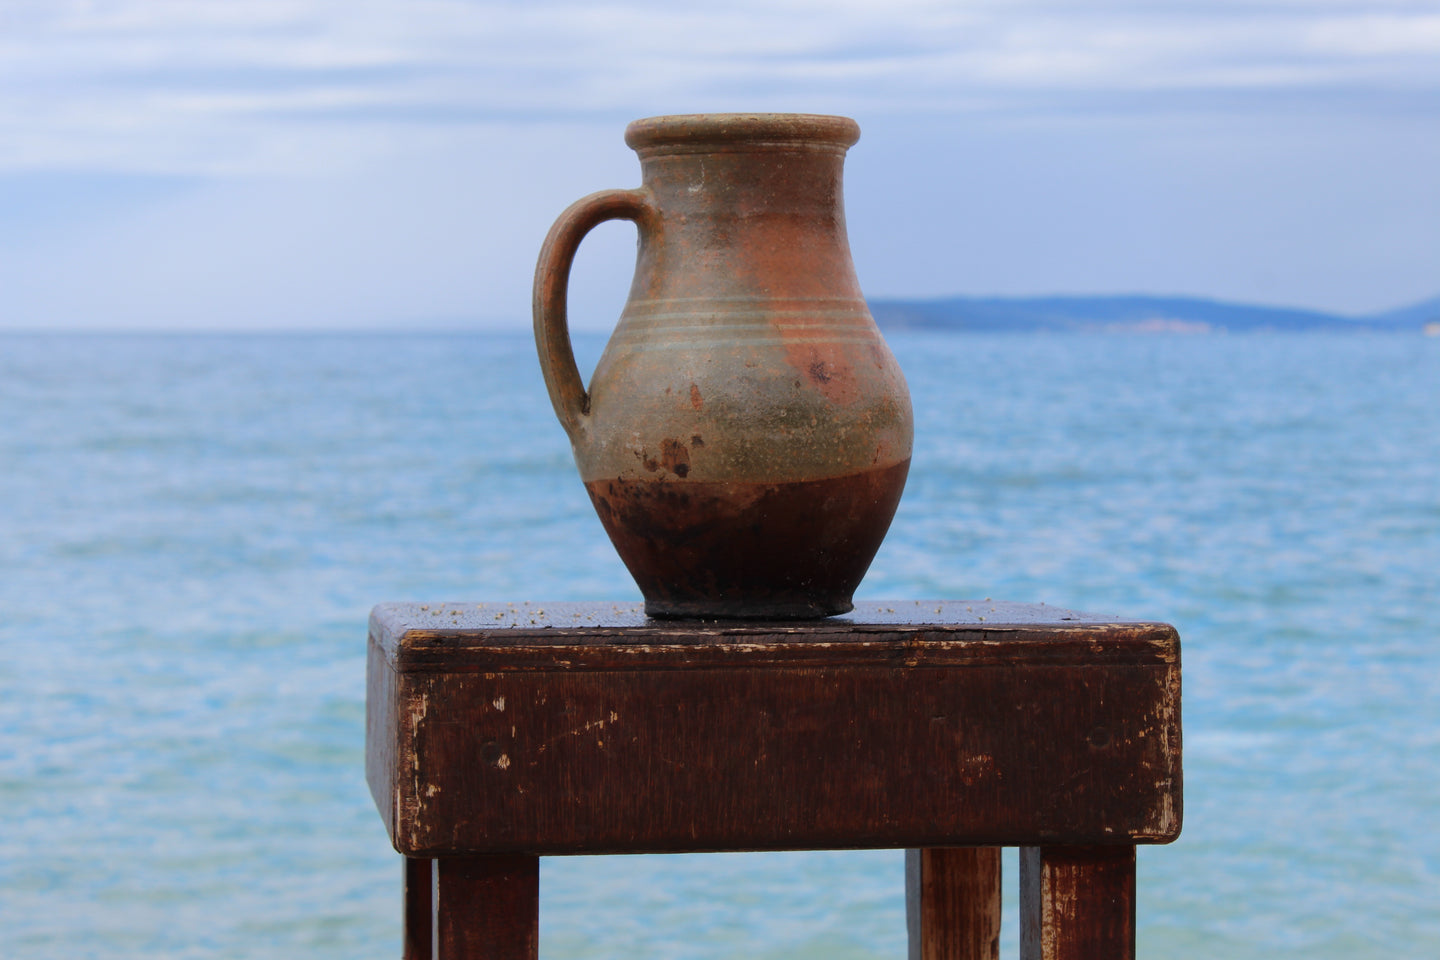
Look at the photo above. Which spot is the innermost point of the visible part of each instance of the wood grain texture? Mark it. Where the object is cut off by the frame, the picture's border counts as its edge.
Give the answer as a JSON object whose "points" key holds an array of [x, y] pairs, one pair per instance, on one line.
{"points": [[1077, 903], [594, 730], [417, 941], [487, 908], [952, 903]]}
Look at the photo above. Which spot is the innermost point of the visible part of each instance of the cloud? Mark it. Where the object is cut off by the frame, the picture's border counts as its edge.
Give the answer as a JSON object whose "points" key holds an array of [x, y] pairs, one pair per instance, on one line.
{"points": [[444, 234], [246, 87], [244, 163]]}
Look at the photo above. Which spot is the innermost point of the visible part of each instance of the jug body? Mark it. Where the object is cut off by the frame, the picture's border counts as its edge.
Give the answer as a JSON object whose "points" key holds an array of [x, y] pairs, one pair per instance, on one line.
{"points": [[746, 434]]}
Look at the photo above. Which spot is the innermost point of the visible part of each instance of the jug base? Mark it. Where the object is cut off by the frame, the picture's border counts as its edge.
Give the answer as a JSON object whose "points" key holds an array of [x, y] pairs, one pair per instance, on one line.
{"points": [[749, 550], [746, 609]]}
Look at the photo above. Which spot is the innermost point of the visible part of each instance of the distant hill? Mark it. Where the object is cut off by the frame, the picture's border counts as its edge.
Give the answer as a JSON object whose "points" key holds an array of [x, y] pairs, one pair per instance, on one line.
{"points": [[1415, 315], [1130, 314]]}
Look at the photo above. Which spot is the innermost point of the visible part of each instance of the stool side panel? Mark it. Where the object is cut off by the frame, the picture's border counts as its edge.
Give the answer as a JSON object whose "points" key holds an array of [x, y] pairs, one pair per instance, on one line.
{"points": [[799, 758], [383, 733]]}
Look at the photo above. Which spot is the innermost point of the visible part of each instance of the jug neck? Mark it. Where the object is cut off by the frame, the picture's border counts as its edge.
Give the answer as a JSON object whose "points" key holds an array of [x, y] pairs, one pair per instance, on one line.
{"points": [[743, 208], [743, 164]]}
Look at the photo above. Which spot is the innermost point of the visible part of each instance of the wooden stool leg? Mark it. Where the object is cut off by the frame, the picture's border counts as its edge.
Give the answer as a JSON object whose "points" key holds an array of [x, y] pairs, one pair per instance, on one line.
{"points": [[1077, 903], [487, 908], [417, 937], [952, 903]]}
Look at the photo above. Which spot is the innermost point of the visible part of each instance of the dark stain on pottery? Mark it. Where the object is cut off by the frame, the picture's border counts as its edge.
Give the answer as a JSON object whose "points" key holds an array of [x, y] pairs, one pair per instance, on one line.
{"points": [[749, 549]]}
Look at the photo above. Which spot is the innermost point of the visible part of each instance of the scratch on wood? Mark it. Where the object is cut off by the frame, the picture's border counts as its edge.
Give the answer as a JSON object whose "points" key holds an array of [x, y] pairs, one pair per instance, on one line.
{"points": [[592, 725]]}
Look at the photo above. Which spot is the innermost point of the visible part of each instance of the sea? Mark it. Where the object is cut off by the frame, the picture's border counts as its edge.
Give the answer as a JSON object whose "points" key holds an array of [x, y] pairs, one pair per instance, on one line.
{"points": [[193, 529]]}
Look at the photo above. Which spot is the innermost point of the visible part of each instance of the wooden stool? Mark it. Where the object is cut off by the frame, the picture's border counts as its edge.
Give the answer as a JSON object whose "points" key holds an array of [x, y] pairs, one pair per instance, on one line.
{"points": [[499, 733]]}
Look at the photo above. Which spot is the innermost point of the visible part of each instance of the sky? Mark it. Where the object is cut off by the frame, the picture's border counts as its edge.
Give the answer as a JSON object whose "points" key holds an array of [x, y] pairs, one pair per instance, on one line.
{"points": [[330, 164]]}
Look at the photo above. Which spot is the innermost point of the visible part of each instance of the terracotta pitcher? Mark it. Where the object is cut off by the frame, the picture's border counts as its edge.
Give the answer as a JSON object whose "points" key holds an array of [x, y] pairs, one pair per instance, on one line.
{"points": [[746, 434]]}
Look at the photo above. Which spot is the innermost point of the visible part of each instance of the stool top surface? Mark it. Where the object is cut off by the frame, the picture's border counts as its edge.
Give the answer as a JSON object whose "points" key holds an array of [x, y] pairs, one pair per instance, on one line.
{"points": [[493, 615], [434, 635]]}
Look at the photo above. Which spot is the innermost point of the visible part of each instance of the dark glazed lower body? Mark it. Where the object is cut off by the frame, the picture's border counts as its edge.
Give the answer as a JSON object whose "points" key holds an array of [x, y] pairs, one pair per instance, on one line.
{"points": [[750, 550]]}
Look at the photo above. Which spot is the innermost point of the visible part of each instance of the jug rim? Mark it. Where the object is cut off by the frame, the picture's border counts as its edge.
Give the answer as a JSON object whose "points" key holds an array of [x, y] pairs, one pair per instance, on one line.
{"points": [[721, 128]]}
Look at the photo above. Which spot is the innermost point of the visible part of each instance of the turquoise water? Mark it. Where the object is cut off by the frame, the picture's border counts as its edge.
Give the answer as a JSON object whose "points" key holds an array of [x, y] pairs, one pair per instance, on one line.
{"points": [[193, 529]]}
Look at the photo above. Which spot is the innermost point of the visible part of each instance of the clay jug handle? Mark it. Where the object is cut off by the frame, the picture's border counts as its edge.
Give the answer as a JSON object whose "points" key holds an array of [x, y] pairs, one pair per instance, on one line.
{"points": [[552, 279]]}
